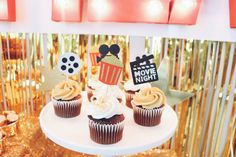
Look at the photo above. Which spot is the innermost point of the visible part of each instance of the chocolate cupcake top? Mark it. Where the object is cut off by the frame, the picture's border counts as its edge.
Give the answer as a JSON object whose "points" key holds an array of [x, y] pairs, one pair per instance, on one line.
{"points": [[149, 98], [66, 90], [104, 107], [130, 86], [12, 117]]}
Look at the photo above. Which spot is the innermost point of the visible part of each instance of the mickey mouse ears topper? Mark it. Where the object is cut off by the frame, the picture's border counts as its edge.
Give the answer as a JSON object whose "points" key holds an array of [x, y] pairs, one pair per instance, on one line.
{"points": [[143, 70], [111, 67], [69, 64]]}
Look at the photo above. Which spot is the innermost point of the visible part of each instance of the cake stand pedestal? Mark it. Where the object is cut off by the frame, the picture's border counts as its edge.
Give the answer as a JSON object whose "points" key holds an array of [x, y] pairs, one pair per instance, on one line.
{"points": [[73, 133]]}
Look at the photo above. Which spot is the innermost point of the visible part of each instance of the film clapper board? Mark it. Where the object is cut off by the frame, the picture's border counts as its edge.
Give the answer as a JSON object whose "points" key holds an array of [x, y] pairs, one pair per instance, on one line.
{"points": [[143, 70]]}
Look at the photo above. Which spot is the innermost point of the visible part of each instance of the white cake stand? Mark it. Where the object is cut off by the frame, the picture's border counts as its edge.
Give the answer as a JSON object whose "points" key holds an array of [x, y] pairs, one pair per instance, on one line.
{"points": [[73, 133]]}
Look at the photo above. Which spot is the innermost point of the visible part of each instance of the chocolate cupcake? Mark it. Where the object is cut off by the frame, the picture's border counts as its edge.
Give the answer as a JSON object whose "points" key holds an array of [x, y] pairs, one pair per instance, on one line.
{"points": [[10, 125], [67, 99], [148, 105], [106, 120], [131, 89]]}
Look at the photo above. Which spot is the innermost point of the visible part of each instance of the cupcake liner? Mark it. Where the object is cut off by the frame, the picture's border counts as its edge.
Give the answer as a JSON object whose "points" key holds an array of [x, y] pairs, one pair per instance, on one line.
{"points": [[146, 117], [11, 129], [93, 58], [129, 98], [67, 109], [106, 133], [109, 74]]}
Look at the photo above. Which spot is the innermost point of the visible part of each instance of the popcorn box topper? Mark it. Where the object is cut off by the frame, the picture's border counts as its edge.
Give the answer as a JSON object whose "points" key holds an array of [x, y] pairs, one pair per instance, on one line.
{"points": [[143, 70], [111, 67]]}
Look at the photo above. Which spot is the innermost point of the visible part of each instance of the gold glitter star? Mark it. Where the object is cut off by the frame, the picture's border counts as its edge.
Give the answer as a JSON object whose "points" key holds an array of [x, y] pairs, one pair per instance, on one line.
{"points": [[51, 78], [173, 96]]}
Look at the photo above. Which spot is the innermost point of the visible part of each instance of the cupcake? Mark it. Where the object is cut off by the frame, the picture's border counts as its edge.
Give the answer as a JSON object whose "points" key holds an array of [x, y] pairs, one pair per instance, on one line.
{"points": [[106, 120], [130, 90], [67, 99], [110, 70], [9, 123], [93, 84], [148, 105]]}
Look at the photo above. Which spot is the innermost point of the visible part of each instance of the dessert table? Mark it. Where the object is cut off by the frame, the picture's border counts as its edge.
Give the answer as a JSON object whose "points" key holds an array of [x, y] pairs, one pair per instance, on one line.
{"points": [[73, 133]]}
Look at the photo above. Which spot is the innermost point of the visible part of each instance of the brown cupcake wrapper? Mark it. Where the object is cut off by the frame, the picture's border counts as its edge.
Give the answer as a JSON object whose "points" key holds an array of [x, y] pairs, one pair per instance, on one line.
{"points": [[129, 98], [67, 109], [106, 133], [146, 117]]}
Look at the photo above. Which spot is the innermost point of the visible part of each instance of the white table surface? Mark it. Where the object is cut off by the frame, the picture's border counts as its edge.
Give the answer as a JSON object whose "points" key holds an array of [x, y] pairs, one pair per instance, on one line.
{"points": [[73, 133]]}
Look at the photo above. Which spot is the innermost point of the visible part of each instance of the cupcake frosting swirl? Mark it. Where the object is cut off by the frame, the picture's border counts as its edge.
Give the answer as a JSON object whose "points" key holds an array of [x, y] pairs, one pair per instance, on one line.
{"points": [[149, 98], [130, 86], [94, 83], [66, 90], [110, 91], [104, 107]]}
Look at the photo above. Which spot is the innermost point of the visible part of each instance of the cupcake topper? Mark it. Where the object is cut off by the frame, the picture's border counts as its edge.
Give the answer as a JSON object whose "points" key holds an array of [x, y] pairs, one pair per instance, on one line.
{"points": [[104, 50], [143, 70], [110, 65], [69, 64]]}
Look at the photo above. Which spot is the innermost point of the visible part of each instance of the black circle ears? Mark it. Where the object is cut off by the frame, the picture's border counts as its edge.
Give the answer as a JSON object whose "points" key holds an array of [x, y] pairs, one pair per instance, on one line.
{"points": [[114, 49], [103, 49]]}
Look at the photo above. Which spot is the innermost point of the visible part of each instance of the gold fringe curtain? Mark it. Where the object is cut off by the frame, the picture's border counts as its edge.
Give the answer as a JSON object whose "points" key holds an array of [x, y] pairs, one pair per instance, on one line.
{"points": [[206, 68]]}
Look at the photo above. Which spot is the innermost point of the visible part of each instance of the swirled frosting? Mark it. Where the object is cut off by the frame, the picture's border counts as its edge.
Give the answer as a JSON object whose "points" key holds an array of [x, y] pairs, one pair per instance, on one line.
{"points": [[130, 86], [111, 91], [149, 98], [66, 90], [104, 107], [94, 83]]}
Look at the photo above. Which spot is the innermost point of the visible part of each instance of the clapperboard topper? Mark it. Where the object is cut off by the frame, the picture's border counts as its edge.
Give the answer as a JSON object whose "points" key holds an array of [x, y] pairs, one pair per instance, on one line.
{"points": [[143, 70]]}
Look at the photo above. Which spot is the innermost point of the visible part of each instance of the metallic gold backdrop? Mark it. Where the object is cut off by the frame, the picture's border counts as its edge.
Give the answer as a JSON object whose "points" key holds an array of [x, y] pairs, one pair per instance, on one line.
{"points": [[207, 68]]}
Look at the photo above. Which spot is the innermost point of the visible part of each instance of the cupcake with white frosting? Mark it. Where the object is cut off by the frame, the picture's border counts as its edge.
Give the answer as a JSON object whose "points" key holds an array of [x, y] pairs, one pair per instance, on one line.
{"points": [[148, 105], [67, 99], [106, 119], [131, 89]]}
